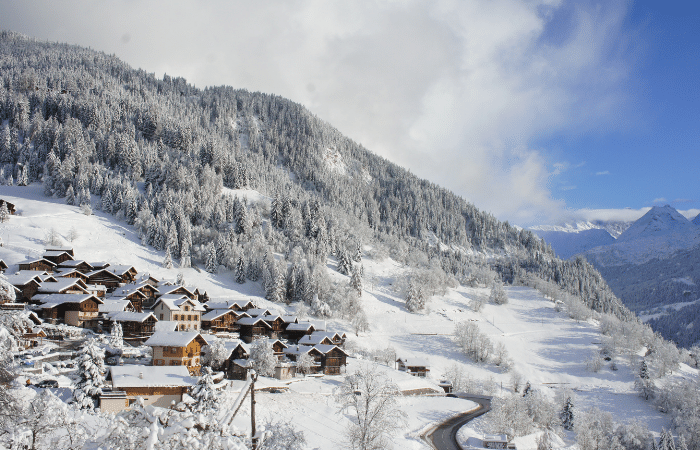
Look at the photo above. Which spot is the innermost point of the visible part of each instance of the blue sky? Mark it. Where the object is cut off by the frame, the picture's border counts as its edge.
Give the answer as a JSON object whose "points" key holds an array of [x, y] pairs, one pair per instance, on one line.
{"points": [[537, 111], [653, 158]]}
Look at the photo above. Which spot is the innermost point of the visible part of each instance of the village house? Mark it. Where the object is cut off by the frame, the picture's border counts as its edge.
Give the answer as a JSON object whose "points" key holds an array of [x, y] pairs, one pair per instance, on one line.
{"points": [[185, 311], [293, 352], [147, 278], [496, 441], [26, 283], [3, 266], [62, 272], [222, 320], [176, 290], [177, 348], [417, 367], [296, 331], [333, 360], [236, 305], [236, 366], [252, 327], [77, 264], [38, 264], [315, 339], [68, 250], [57, 256], [134, 294], [277, 324], [97, 290], [156, 385], [135, 325], [115, 305], [103, 277], [79, 310], [63, 286], [126, 273], [10, 206]]}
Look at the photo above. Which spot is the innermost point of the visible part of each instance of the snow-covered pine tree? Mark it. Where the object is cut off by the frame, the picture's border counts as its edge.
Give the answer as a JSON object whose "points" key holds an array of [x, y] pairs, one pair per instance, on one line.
{"points": [[185, 261], [91, 371], [210, 264], [180, 279], [4, 213], [643, 382], [204, 393], [116, 336], [168, 260], [498, 294], [262, 357], [356, 279], [240, 270], [567, 415], [415, 298]]}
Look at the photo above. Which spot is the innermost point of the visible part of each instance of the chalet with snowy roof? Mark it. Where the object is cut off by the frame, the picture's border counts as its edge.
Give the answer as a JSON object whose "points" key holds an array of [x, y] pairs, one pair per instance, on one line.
{"points": [[125, 272], [79, 310], [147, 278], [3, 266], [97, 290], [26, 284], [10, 206], [336, 338], [222, 320], [99, 265], [38, 264], [496, 441], [315, 339], [258, 312], [156, 385], [132, 293], [77, 264], [184, 310], [68, 250], [135, 325], [201, 295], [289, 319], [71, 273], [176, 290], [237, 365], [334, 358], [115, 305], [252, 327], [418, 367], [57, 256], [293, 352], [236, 305], [277, 323], [177, 348], [296, 331], [63, 286], [105, 278]]}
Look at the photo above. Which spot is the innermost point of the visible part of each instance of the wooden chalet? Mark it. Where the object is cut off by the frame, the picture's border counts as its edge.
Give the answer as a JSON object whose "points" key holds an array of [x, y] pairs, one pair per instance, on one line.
{"points": [[222, 320], [277, 324], [68, 250], [135, 325], [71, 273], [99, 265], [126, 273], [64, 286], [3, 266], [105, 278], [115, 305], [77, 264], [97, 290], [38, 264], [80, 310], [252, 327], [258, 312], [417, 367], [10, 206], [296, 331], [149, 279], [177, 348], [333, 360], [57, 256], [176, 290], [157, 386], [136, 296], [236, 305], [294, 351], [26, 284], [237, 365], [335, 338], [315, 339]]}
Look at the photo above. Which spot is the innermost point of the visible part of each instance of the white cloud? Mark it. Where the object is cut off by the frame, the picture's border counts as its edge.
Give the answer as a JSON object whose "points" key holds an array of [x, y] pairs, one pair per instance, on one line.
{"points": [[455, 90], [605, 172]]}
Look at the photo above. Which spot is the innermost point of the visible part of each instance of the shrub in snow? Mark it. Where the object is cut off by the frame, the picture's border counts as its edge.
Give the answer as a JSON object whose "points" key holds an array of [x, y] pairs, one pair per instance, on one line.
{"points": [[215, 354], [498, 294], [567, 415], [7, 291], [594, 431], [594, 362], [472, 342], [281, 436], [509, 416], [304, 363]]}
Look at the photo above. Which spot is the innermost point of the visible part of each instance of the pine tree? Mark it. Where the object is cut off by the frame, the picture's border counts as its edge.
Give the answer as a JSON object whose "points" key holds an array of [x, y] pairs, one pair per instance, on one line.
{"points": [[210, 261], [4, 212], [498, 294], [180, 279], [567, 415], [185, 261], [358, 252], [204, 393], [168, 261], [240, 270], [70, 196], [356, 279], [415, 299], [91, 371], [116, 338]]}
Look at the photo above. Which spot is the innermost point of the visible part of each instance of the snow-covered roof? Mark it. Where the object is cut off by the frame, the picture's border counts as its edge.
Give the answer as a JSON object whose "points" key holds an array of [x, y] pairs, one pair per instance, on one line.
{"points": [[74, 263], [61, 284], [175, 302], [414, 362], [129, 289], [301, 326], [289, 319], [111, 305], [52, 300], [254, 312], [313, 339], [150, 376], [323, 348], [298, 349], [63, 273], [20, 279], [172, 338], [128, 316], [252, 321], [272, 317], [52, 253], [245, 363], [95, 272], [227, 304], [167, 290], [166, 325], [216, 313], [121, 269], [50, 263]]}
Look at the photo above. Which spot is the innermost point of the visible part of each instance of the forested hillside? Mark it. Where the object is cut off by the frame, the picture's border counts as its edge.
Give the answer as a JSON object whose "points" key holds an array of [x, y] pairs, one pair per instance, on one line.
{"points": [[159, 153]]}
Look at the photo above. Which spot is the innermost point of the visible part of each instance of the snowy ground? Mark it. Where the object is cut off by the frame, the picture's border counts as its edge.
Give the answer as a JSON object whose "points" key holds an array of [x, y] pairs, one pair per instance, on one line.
{"points": [[549, 349]]}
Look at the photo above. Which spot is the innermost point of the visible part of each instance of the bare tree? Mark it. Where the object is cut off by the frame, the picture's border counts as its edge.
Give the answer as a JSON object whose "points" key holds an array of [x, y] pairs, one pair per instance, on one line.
{"points": [[371, 399]]}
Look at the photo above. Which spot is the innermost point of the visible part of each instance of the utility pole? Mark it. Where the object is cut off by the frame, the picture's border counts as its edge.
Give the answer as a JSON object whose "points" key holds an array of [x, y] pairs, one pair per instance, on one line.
{"points": [[253, 439]]}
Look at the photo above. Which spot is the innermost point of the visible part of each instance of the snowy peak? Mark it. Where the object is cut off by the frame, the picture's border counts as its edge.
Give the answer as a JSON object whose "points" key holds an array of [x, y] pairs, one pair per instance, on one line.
{"points": [[657, 222]]}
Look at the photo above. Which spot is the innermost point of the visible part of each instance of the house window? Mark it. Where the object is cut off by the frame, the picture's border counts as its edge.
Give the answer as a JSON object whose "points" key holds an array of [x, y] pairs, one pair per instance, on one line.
{"points": [[187, 308], [189, 317], [161, 317], [195, 326]]}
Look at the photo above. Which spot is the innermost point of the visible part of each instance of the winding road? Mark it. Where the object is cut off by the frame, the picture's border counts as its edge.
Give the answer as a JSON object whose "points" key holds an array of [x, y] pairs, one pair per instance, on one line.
{"points": [[444, 437]]}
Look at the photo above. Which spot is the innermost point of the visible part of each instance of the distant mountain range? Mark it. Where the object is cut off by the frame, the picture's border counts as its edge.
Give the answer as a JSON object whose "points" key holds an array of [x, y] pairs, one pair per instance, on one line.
{"points": [[653, 265]]}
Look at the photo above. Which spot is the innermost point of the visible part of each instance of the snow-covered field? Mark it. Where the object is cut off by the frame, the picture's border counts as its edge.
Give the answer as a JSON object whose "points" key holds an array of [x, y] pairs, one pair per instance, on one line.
{"points": [[548, 349]]}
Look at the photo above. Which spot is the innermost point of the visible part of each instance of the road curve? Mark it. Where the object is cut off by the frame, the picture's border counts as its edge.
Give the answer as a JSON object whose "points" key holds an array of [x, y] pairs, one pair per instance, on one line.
{"points": [[444, 437]]}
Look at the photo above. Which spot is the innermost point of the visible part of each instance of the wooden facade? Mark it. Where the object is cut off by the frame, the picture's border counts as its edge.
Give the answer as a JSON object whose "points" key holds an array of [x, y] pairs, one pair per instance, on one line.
{"points": [[10, 206], [105, 278], [251, 328], [38, 264], [57, 257], [82, 314]]}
